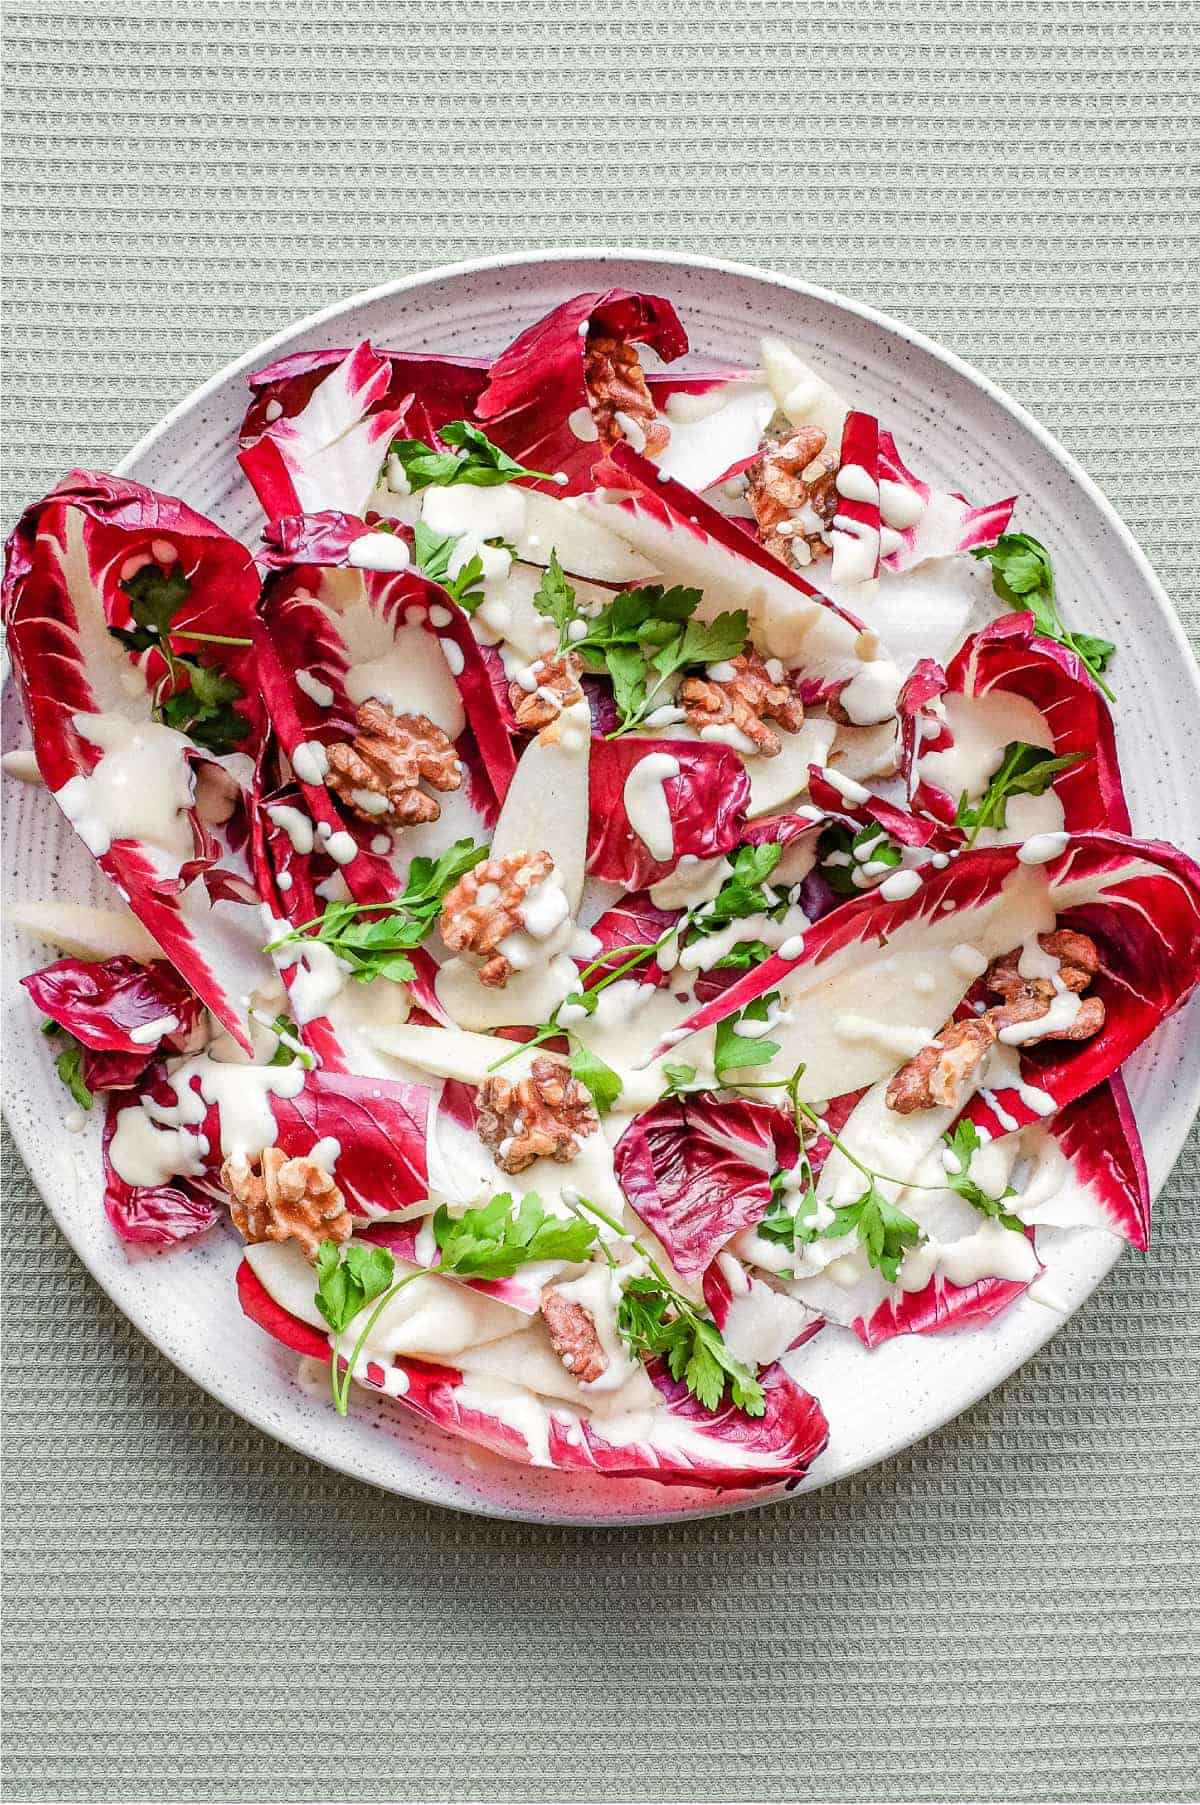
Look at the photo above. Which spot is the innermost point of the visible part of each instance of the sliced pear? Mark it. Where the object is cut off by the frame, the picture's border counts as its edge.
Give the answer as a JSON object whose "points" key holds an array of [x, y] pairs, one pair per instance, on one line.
{"points": [[806, 398], [774, 782], [586, 545], [86, 932], [546, 809], [705, 441]]}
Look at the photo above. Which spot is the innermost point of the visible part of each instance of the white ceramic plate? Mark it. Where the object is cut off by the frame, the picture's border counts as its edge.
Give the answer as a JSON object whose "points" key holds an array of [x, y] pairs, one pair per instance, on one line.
{"points": [[956, 426]]}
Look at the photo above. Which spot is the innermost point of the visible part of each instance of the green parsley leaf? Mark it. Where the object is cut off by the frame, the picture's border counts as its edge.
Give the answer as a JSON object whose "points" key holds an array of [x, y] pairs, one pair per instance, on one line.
{"points": [[742, 894], [1024, 770], [432, 554], [349, 1278], [193, 698], [963, 1144], [884, 1231], [656, 1321], [554, 596], [204, 709], [733, 1052], [1022, 576], [600, 1079], [69, 1066], [843, 856], [493, 1241], [474, 460], [681, 1079], [372, 938], [790, 1215]]}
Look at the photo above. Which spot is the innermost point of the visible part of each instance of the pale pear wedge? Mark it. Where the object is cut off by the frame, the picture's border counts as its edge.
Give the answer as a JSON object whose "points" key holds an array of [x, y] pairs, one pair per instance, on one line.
{"points": [[712, 432], [806, 398], [86, 932], [775, 782], [586, 546], [546, 809]]}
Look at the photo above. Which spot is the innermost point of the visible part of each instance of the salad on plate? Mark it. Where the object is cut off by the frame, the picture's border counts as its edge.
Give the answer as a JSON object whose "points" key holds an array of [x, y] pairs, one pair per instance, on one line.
{"points": [[625, 876]]}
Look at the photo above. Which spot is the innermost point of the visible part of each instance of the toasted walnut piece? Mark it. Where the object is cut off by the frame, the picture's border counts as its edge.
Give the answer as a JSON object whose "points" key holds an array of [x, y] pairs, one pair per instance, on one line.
{"points": [[793, 494], [939, 1071], [485, 906], [1078, 963], [1033, 1001], [387, 759], [747, 700], [937, 1077], [573, 1336], [615, 385], [544, 1116], [275, 1198], [557, 688]]}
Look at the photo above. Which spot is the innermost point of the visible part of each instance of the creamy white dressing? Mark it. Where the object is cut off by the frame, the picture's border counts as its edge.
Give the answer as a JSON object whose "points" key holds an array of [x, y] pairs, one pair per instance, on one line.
{"points": [[141, 788], [646, 804], [295, 824], [982, 727], [378, 551], [315, 688], [404, 667]]}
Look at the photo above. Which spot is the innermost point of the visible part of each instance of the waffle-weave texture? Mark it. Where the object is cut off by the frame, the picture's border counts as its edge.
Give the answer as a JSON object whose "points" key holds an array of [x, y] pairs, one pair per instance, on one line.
{"points": [[1008, 1610]]}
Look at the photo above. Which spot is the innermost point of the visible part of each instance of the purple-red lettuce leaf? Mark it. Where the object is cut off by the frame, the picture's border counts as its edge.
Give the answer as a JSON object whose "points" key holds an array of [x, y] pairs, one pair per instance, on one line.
{"points": [[707, 802], [536, 404], [947, 521]]}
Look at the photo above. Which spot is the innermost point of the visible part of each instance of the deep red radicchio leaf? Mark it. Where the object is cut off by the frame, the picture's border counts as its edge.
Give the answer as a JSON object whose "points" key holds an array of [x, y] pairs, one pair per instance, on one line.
{"points": [[536, 404], [947, 523], [938, 1305], [686, 1444], [855, 536], [436, 389], [303, 648], [707, 801], [1008, 656], [698, 1170], [333, 539], [634, 921], [1139, 900], [925, 683], [898, 823], [326, 449], [379, 1126], [1098, 1136], [66, 561], [122, 1012]]}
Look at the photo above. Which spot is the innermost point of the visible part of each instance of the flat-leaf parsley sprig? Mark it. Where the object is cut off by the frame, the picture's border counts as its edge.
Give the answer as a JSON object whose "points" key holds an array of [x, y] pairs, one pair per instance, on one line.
{"points": [[1022, 576], [642, 639], [655, 1319], [491, 1242], [374, 939], [473, 459]]}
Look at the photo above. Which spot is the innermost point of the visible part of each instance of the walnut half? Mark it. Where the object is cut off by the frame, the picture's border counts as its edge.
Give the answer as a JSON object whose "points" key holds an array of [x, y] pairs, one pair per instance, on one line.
{"points": [[746, 700], [275, 1198], [484, 907], [616, 386], [572, 1330], [377, 775], [792, 491], [939, 1074], [556, 686], [544, 1116]]}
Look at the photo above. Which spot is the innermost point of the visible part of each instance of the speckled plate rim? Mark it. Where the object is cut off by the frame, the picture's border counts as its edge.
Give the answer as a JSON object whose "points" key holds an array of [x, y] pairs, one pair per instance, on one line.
{"points": [[933, 1417]]}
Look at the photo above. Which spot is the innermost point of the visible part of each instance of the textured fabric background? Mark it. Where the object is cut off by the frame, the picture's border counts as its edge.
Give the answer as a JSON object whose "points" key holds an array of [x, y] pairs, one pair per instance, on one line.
{"points": [[1006, 1612]]}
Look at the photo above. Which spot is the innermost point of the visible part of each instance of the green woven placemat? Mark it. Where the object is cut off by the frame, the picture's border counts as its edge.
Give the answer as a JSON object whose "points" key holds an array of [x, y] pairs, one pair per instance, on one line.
{"points": [[1005, 1612]]}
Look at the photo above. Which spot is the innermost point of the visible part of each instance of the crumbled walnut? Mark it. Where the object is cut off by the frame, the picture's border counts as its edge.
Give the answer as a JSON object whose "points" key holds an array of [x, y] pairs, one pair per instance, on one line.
{"points": [[793, 493], [387, 760], [573, 1336], [544, 1116], [1078, 963], [275, 1198], [938, 1076], [557, 688], [939, 1072], [615, 385], [484, 907], [747, 700]]}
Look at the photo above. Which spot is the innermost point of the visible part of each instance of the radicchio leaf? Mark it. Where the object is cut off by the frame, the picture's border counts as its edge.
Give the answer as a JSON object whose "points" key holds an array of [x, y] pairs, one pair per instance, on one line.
{"points": [[536, 405], [707, 802], [66, 562], [947, 523]]}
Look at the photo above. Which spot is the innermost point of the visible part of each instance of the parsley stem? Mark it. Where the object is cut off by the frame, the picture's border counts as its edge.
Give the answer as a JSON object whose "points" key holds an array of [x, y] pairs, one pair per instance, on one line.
{"points": [[806, 1111], [341, 1395], [212, 639]]}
